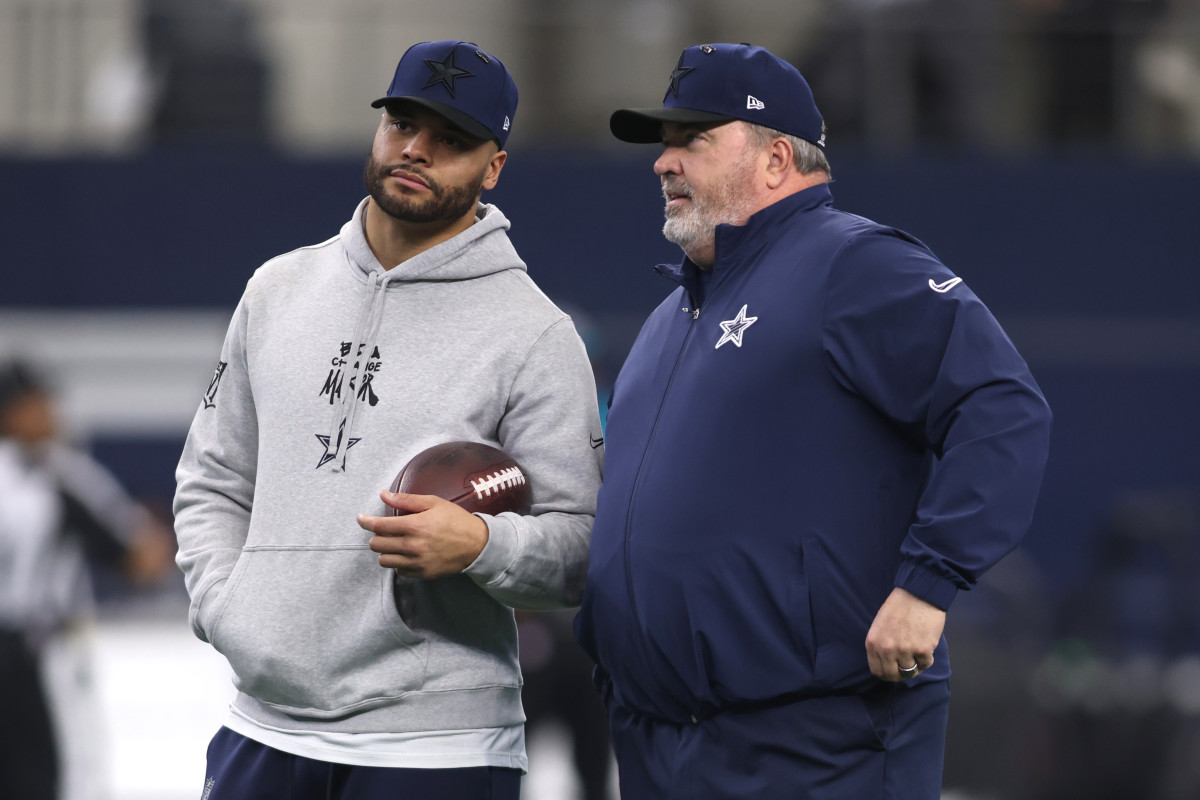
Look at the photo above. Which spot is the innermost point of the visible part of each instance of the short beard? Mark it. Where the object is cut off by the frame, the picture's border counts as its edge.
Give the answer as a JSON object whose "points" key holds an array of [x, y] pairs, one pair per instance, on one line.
{"points": [[694, 228], [444, 204]]}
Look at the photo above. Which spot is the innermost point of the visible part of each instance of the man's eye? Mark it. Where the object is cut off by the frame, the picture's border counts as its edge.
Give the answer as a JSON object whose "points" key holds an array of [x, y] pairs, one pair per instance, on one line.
{"points": [[682, 139]]}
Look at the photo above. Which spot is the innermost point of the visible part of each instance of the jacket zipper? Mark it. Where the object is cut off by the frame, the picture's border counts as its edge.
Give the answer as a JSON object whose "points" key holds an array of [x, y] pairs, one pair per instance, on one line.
{"points": [[695, 314]]}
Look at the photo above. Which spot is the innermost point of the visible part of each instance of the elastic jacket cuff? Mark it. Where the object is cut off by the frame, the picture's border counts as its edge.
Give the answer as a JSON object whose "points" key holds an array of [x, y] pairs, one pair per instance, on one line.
{"points": [[926, 584]]}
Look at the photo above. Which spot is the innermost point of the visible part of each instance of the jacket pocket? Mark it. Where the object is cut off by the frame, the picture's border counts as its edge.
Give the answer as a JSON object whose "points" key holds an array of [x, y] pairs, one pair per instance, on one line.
{"points": [[315, 631], [878, 718], [840, 612], [805, 588]]}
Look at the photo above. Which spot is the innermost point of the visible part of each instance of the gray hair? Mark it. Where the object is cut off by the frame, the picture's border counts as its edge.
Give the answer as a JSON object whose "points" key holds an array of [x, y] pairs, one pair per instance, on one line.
{"points": [[809, 158]]}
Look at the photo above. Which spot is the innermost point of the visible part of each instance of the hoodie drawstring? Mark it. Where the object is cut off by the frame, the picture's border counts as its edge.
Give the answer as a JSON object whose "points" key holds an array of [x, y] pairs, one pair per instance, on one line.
{"points": [[362, 346]]}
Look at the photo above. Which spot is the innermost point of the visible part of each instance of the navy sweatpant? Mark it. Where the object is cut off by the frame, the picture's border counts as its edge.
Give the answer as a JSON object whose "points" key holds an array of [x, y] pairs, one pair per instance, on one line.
{"points": [[242, 769], [28, 746], [885, 744]]}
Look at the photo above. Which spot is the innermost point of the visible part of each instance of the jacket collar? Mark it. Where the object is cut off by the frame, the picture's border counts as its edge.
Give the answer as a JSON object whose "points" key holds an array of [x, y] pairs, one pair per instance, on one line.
{"points": [[736, 243]]}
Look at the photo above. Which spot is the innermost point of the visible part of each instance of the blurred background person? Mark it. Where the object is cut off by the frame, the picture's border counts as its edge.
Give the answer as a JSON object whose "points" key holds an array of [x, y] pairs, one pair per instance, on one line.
{"points": [[1167, 66], [559, 697], [60, 511], [211, 79], [901, 73]]}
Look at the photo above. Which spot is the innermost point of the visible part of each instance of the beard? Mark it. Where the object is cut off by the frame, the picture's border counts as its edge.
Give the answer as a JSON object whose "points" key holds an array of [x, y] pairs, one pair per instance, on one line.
{"points": [[444, 204], [694, 226]]}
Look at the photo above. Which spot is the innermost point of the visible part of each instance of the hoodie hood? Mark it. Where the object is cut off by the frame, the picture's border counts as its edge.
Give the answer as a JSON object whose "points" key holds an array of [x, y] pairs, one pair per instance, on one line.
{"points": [[481, 249]]}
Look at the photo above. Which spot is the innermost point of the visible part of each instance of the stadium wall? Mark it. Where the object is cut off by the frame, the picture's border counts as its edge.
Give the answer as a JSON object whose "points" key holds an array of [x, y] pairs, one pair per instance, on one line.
{"points": [[120, 274]]}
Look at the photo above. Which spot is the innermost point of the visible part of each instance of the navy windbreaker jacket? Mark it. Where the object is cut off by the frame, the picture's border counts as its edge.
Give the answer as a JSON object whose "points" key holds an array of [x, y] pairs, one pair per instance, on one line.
{"points": [[840, 417]]}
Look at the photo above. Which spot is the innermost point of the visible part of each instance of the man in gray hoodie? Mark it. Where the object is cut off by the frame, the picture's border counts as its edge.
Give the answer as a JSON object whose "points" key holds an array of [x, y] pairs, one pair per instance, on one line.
{"points": [[374, 655]]}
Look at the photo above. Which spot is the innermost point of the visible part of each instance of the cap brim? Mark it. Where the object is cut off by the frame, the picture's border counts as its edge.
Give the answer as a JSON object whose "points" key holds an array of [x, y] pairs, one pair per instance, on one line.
{"points": [[644, 125], [468, 124]]}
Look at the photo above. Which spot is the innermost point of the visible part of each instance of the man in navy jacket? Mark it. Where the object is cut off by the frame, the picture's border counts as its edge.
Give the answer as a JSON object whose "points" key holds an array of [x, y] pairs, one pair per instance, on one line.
{"points": [[816, 442]]}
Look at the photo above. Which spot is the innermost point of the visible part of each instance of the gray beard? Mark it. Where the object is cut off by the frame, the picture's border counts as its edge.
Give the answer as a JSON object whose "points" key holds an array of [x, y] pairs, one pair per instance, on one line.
{"points": [[694, 228], [689, 229]]}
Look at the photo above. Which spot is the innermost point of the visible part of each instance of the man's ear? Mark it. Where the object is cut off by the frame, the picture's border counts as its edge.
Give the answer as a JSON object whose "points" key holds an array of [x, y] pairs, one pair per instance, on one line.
{"points": [[780, 162], [492, 175]]}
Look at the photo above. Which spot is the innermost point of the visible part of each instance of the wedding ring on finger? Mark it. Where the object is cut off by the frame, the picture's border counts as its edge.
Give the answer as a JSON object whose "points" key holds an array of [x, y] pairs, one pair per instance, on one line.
{"points": [[908, 670]]}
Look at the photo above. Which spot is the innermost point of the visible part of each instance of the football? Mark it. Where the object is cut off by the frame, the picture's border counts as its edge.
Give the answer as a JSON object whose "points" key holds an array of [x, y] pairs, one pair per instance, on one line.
{"points": [[476, 476]]}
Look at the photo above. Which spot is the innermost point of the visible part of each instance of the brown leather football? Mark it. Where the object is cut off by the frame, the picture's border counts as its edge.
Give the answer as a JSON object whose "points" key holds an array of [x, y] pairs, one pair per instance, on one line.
{"points": [[476, 476]]}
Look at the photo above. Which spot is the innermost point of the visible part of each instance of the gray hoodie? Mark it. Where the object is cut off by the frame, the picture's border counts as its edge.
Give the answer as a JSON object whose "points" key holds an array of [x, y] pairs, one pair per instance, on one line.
{"points": [[300, 429]]}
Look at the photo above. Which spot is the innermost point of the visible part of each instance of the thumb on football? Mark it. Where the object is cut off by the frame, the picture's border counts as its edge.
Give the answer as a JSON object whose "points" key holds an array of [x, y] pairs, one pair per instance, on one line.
{"points": [[409, 503]]}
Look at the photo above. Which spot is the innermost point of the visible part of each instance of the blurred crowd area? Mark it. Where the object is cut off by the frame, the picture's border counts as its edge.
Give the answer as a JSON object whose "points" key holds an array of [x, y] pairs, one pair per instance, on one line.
{"points": [[890, 75], [1092, 694]]}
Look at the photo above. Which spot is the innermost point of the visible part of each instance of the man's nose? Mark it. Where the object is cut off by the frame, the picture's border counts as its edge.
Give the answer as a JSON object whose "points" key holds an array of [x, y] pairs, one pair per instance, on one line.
{"points": [[666, 164], [417, 147]]}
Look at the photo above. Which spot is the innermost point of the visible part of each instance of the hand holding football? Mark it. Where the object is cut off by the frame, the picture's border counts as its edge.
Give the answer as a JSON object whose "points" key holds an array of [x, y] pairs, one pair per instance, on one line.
{"points": [[473, 475]]}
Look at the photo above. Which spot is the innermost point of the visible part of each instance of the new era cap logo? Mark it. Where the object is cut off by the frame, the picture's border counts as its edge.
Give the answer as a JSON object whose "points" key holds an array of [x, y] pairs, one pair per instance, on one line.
{"points": [[754, 104], [507, 122]]}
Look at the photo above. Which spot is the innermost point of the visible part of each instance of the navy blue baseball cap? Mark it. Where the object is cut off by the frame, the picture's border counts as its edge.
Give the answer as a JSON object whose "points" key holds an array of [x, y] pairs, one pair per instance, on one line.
{"points": [[458, 80], [723, 82]]}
